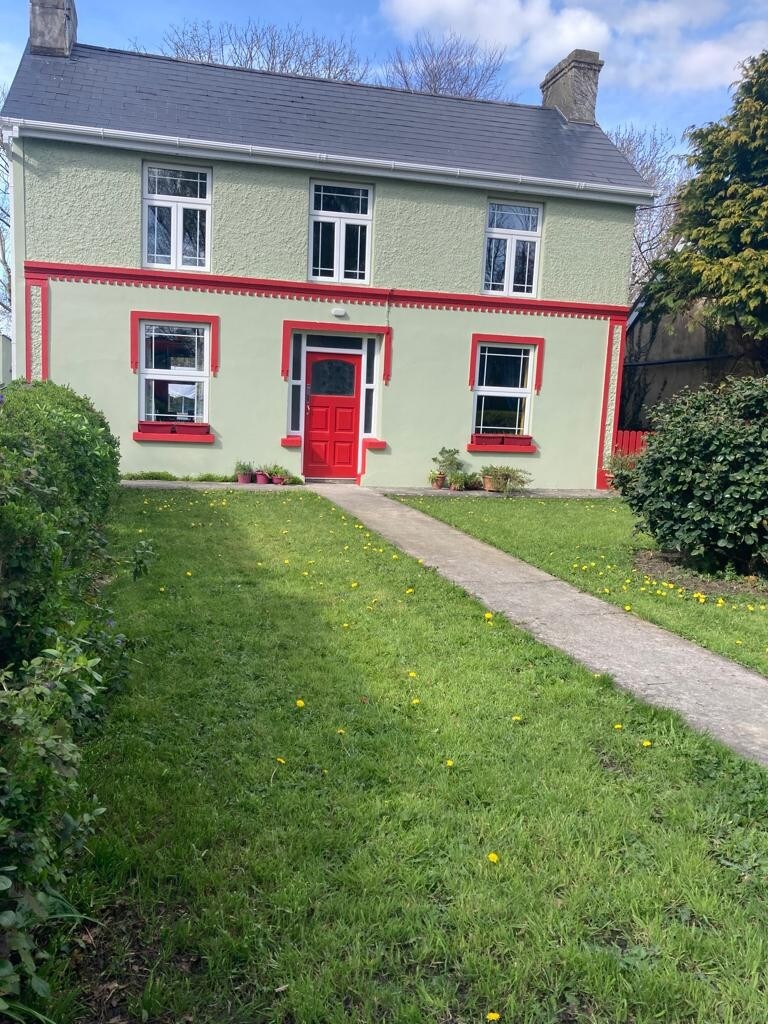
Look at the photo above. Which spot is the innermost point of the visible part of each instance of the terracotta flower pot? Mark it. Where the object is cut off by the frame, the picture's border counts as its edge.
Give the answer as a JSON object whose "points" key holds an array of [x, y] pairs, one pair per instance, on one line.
{"points": [[244, 478], [278, 479], [489, 485], [439, 482], [261, 478]]}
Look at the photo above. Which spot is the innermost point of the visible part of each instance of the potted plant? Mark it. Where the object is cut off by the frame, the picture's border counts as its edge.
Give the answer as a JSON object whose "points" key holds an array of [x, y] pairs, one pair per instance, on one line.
{"points": [[261, 476], [243, 472], [447, 461], [504, 479], [457, 481], [277, 474]]}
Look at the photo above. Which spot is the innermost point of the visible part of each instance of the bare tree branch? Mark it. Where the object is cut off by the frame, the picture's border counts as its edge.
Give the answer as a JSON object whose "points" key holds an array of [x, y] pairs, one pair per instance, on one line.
{"points": [[448, 65], [653, 153], [260, 46]]}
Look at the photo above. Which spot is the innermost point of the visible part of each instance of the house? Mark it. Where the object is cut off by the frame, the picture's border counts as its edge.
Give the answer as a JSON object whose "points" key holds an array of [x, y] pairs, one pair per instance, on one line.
{"points": [[342, 278]]}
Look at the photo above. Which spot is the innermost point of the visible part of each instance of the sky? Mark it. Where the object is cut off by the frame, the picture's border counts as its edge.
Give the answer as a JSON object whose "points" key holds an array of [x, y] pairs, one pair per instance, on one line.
{"points": [[667, 62]]}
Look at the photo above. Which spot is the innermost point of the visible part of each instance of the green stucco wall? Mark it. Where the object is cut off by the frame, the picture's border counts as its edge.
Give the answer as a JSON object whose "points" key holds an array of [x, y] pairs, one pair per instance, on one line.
{"points": [[427, 404], [82, 204]]}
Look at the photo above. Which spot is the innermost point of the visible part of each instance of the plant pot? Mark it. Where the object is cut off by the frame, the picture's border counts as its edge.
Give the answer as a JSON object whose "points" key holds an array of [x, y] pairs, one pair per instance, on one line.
{"points": [[261, 478], [244, 478], [278, 480], [490, 485], [438, 482]]}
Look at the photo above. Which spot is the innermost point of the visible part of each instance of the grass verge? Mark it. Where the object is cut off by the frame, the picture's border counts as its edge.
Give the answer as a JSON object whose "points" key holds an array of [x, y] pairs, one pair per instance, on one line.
{"points": [[264, 860], [592, 544]]}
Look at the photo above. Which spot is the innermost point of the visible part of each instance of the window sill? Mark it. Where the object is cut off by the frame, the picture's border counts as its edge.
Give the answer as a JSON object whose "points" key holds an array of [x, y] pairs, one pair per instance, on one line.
{"points": [[291, 441], [167, 268], [185, 433], [520, 444]]}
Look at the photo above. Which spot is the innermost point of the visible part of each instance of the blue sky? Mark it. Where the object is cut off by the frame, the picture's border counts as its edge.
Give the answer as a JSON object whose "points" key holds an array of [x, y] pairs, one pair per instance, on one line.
{"points": [[668, 62]]}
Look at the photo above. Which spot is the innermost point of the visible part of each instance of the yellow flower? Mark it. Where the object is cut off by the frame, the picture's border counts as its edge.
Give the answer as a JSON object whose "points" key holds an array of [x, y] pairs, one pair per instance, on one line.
{"points": [[299, 703], [618, 725], [280, 760], [411, 675], [517, 718], [341, 732], [420, 561], [488, 616], [415, 701], [627, 607], [353, 585], [647, 743], [493, 1016], [395, 557], [345, 625], [449, 763], [409, 590], [188, 573], [162, 590], [493, 857]]}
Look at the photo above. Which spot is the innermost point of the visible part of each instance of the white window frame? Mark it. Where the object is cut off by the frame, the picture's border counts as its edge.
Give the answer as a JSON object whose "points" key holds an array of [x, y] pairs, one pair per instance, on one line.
{"points": [[177, 204], [340, 220], [527, 393], [511, 237], [183, 376]]}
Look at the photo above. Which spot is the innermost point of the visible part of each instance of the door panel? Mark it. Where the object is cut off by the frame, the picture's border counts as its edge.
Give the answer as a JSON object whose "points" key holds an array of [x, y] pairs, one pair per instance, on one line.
{"points": [[332, 420]]}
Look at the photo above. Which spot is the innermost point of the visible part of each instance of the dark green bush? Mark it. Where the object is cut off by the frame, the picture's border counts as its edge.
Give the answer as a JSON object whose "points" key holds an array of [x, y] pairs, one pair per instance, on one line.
{"points": [[58, 474], [58, 653], [701, 486]]}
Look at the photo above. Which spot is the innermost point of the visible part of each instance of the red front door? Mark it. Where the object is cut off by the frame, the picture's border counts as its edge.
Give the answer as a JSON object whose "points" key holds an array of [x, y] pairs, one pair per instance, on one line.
{"points": [[332, 415]]}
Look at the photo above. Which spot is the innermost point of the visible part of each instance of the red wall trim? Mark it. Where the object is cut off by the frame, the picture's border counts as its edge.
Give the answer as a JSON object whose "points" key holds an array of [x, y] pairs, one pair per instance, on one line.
{"points": [[507, 339], [372, 444], [137, 315], [602, 477], [312, 291], [290, 326], [41, 283]]}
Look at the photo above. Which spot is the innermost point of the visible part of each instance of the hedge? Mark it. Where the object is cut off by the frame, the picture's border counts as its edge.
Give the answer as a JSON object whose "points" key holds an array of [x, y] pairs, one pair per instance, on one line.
{"points": [[59, 652]]}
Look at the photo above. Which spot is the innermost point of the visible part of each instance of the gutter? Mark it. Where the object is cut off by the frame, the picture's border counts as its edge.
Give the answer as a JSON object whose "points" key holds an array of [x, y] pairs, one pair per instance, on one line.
{"points": [[324, 161]]}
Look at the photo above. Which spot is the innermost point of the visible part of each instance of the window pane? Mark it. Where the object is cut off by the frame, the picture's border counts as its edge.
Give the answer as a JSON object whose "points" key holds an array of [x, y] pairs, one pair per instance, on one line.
{"points": [[504, 367], [174, 348], [172, 181], [323, 245], [368, 412], [497, 414], [341, 199], [513, 218], [173, 400], [495, 264], [354, 251], [525, 257], [333, 377], [159, 234], [334, 341], [370, 360], [296, 358], [193, 238], [295, 406]]}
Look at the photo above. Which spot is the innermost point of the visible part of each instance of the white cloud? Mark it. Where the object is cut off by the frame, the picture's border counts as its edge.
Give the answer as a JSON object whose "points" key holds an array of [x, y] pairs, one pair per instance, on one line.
{"points": [[679, 46]]}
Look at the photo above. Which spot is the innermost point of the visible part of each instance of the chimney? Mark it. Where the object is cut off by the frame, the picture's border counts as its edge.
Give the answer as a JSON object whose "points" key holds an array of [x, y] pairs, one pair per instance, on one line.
{"points": [[52, 27], [571, 85]]}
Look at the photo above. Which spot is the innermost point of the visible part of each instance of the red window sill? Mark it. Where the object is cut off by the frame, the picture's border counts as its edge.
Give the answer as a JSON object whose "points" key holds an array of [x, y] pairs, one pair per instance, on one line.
{"points": [[374, 443], [511, 444], [291, 441], [185, 433], [506, 449]]}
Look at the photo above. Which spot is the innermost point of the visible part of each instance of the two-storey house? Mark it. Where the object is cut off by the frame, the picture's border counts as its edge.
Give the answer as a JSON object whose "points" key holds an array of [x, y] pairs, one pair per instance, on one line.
{"points": [[342, 278]]}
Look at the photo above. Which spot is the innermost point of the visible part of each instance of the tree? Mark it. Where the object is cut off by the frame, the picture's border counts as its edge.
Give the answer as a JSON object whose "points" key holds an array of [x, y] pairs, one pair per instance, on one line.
{"points": [[720, 266], [652, 152], [266, 47], [447, 64], [5, 234]]}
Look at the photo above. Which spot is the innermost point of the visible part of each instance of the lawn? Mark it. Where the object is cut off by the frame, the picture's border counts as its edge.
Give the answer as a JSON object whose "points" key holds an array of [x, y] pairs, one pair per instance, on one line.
{"points": [[337, 792], [592, 544]]}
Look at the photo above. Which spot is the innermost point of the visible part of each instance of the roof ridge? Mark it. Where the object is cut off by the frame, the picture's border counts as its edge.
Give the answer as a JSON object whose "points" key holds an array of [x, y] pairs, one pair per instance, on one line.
{"points": [[311, 78]]}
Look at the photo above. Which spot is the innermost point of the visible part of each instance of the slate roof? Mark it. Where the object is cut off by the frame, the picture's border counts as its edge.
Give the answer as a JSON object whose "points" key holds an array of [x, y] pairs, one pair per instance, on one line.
{"points": [[119, 90]]}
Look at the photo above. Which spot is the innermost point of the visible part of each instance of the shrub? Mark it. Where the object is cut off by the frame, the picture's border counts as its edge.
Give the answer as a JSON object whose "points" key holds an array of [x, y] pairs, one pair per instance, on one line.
{"points": [[701, 486], [58, 474]]}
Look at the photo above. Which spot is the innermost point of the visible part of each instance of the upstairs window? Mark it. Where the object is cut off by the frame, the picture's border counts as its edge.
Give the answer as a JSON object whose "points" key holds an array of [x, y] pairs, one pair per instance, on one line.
{"points": [[340, 232], [177, 214], [173, 372], [512, 241]]}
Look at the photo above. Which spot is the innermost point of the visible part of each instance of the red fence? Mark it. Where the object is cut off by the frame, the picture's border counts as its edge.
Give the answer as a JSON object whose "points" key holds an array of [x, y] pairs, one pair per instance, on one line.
{"points": [[630, 442]]}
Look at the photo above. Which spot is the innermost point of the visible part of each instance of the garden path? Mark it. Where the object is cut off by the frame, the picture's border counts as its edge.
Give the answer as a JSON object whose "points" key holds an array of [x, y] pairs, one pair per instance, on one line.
{"points": [[712, 694]]}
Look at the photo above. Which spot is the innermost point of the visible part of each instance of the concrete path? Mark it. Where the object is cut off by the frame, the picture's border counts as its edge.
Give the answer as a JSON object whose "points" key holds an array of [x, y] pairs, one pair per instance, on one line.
{"points": [[713, 694]]}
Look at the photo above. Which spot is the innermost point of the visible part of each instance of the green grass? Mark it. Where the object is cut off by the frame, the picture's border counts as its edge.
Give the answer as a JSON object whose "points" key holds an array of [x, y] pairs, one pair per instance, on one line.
{"points": [[592, 544], [352, 883]]}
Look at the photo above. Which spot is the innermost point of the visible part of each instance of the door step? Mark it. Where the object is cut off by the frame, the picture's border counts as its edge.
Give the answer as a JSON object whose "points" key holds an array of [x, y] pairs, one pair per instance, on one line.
{"points": [[329, 480]]}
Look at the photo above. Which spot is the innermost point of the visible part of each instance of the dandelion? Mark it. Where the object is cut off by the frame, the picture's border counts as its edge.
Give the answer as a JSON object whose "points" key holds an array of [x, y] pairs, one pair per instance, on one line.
{"points": [[395, 557], [354, 584], [188, 573], [341, 732], [162, 590], [493, 857], [488, 616], [618, 725], [517, 718], [411, 675], [280, 760], [300, 703], [415, 701], [345, 625], [409, 590], [449, 763], [493, 1016], [646, 743], [627, 607]]}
